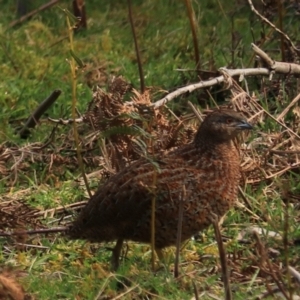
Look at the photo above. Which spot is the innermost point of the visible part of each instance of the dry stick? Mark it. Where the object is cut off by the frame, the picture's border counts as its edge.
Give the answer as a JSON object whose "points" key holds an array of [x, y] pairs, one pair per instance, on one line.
{"points": [[35, 231], [31, 246], [271, 272], [247, 202], [179, 232], [203, 84], [280, 13], [137, 51], [273, 118], [222, 252], [191, 15], [295, 273], [195, 291], [285, 111], [195, 111], [284, 151], [58, 209], [272, 25], [32, 13], [33, 119], [274, 67], [126, 292]]}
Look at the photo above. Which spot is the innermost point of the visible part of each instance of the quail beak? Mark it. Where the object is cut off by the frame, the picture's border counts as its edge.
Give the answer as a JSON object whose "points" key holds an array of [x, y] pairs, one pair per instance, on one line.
{"points": [[244, 125]]}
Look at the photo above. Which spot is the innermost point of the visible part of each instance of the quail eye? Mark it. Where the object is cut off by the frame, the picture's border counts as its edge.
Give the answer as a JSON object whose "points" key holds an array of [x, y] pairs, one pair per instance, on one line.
{"points": [[229, 121]]}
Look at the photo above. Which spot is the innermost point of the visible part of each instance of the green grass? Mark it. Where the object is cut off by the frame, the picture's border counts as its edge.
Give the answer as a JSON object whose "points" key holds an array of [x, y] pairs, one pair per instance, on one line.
{"points": [[35, 61]]}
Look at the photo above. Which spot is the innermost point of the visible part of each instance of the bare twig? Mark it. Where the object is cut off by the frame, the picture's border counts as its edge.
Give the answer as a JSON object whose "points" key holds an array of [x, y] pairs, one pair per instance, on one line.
{"points": [[274, 67], [284, 152], [33, 119], [136, 45], [280, 13], [32, 246], [195, 110], [294, 272], [66, 122], [191, 15], [272, 25], [203, 84], [286, 110], [276, 120], [52, 211], [266, 262], [126, 292], [32, 13], [35, 231]]}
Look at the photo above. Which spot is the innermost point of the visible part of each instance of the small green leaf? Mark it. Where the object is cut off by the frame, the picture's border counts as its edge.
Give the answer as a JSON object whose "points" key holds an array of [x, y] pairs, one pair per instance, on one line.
{"points": [[77, 59]]}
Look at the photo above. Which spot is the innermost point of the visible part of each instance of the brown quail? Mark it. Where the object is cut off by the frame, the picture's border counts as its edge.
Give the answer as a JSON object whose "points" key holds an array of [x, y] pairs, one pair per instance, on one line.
{"points": [[209, 168]]}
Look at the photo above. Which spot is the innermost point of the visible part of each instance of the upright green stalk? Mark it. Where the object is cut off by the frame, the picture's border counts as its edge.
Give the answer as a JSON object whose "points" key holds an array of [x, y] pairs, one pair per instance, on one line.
{"points": [[74, 102]]}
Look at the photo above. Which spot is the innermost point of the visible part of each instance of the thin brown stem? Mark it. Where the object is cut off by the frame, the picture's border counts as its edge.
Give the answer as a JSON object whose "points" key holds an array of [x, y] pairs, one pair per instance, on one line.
{"points": [[280, 14], [74, 101], [32, 13], [137, 51], [223, 259], [193, 24], [153, 204], [179, 232]]}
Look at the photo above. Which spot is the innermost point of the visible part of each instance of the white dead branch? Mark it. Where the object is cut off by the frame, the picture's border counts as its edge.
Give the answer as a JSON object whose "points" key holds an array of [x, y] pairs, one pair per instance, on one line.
{"points": [[273, 67]]}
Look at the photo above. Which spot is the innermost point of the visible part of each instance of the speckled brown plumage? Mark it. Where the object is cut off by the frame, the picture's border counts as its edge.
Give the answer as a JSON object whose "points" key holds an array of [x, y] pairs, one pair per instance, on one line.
{"points": [[209, 168]]}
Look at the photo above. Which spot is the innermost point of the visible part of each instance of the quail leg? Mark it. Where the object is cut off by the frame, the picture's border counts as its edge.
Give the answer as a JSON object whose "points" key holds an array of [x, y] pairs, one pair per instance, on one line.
{"points": [[116, 251]]}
